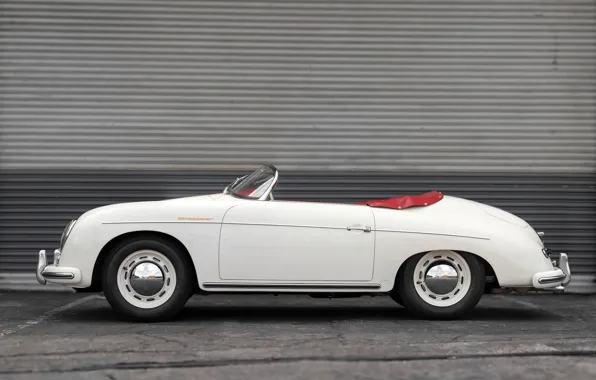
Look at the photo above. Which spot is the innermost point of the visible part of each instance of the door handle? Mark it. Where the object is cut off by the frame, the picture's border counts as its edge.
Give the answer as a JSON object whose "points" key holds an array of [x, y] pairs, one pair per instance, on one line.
{"points": [[359, 228]]}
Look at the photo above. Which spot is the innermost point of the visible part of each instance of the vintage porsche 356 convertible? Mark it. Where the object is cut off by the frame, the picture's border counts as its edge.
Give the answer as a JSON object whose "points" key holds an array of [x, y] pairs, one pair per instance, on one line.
{"points": [[434, 254]]}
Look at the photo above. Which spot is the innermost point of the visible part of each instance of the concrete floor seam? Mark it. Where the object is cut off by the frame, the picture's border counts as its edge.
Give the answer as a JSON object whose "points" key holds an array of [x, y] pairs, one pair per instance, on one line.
{"points": [[226, 363]]}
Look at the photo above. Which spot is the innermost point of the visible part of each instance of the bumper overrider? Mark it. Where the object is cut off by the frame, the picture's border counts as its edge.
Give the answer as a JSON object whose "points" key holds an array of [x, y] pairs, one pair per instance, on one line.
{"points": [[53, 273], [556, 279]]}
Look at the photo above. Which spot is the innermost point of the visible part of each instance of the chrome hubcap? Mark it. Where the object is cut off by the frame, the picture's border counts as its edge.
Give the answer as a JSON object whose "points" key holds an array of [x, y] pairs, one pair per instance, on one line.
{"points": [[146, 279], [441, 278]]}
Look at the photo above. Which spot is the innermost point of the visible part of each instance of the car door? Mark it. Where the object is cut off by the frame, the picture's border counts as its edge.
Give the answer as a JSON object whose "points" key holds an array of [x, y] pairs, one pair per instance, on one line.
{"points": [[297, 241]]}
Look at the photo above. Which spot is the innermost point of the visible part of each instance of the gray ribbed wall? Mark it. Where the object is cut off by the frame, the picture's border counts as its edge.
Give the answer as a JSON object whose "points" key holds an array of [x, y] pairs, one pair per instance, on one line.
{"points": [[491, 100]]}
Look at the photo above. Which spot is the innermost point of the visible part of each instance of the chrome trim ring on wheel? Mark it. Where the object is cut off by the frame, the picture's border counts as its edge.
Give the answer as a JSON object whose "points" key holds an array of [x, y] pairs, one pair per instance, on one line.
{"points": [[146, 279], [442, 278]]}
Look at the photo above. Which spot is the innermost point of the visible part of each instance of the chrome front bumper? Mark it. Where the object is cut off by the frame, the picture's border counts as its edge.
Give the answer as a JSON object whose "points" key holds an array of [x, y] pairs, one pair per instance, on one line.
{"points": [[55, 274], [556, 279]]}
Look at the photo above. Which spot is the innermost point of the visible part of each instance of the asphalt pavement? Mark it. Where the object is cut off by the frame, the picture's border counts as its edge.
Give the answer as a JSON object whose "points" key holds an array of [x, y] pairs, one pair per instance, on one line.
{"points": [[62, 336]]}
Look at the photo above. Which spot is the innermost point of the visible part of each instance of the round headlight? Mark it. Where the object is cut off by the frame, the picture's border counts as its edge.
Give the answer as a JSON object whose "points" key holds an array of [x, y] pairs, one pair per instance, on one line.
{"points": [[66, 232]]}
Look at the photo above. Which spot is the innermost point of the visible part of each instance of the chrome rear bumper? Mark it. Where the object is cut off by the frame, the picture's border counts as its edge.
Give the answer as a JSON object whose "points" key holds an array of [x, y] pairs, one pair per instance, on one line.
{"points": [[556, 279], [51, 273]]}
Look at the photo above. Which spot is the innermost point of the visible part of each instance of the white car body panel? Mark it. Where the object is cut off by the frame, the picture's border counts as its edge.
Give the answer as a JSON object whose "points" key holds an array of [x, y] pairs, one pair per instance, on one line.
{"points": [[296, 241], [271, 244]]}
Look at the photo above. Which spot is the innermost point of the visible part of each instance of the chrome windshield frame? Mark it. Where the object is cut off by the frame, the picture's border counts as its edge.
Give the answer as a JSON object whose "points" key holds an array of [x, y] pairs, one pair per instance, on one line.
{"points": [[267, 192]]}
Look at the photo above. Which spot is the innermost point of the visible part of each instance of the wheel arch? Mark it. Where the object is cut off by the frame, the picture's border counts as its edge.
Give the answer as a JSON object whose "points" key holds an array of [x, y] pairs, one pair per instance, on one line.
{"points": [[147, 234], [492, 280]]}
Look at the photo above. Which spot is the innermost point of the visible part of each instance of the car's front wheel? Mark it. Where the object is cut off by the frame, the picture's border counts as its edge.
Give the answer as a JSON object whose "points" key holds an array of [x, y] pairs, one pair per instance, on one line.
{"points": [[147, 279], [441, 284]]}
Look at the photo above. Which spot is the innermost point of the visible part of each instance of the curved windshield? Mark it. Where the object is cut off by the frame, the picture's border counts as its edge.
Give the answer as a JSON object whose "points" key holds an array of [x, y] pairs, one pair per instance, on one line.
{"points": [[256, 185]]}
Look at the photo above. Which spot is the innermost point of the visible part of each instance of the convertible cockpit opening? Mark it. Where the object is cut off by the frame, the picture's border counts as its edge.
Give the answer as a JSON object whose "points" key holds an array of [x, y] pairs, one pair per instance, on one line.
{"points": [[259, 185]]}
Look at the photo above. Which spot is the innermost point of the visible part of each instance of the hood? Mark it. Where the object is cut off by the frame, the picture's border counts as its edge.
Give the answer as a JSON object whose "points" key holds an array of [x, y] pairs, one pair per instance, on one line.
{"points": [[146, 210]]}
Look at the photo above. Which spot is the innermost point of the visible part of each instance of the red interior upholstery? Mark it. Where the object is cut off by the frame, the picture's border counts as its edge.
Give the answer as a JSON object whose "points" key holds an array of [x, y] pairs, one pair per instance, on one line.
{"points": [[401, 203]]}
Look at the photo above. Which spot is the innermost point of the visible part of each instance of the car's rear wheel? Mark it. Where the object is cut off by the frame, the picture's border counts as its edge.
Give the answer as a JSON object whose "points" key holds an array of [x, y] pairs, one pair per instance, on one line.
{"points": [[147, 279], [441, 284]]}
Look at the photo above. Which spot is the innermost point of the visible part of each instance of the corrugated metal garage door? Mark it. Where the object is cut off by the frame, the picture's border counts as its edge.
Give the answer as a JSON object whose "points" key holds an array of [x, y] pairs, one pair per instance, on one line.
{"points": [[125, 100]]}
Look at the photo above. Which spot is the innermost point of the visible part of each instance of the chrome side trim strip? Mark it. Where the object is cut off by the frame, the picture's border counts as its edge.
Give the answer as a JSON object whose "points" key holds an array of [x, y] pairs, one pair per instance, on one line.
{"points": [[229, 223], [432, 233], [298, 226], [286, 225], [162, 222], [229, 285]]}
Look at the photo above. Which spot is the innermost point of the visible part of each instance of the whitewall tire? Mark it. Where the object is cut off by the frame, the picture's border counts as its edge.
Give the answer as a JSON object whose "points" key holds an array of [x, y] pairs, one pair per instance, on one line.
{"points": [[441, 284], [148, 279]]}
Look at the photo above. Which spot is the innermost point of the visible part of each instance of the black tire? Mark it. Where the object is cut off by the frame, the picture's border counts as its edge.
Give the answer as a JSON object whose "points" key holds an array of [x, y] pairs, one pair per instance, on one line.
{"points": [[185, 279], [419, 307]]}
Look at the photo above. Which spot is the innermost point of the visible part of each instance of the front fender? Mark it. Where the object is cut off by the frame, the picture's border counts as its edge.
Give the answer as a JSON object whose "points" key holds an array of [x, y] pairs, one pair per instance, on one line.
{"points": [[82, 250]]}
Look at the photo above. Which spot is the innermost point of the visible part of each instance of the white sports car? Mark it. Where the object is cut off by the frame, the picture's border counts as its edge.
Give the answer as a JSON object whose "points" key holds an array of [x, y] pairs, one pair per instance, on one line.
{"points": [[436, 255]]}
